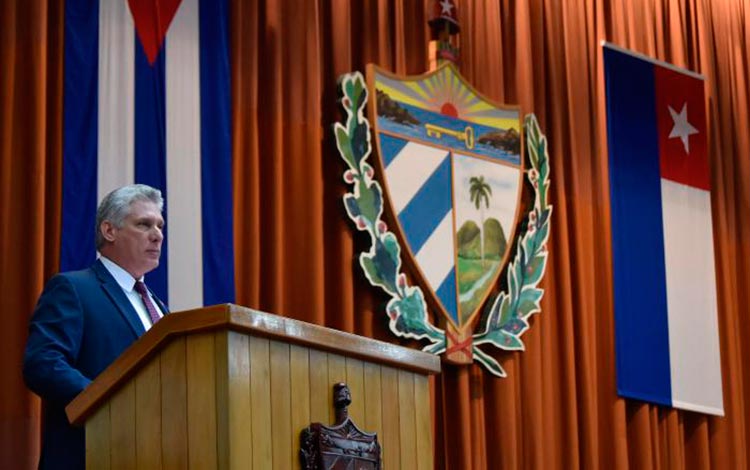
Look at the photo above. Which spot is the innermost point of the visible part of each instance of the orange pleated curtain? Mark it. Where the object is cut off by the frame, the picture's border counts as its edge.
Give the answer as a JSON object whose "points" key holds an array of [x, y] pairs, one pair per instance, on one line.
{"points": [[296, 251]]}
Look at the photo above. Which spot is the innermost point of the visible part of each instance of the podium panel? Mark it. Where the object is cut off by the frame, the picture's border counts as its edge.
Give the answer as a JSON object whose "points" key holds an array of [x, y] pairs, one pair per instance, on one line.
{"points": [[228, 387]]}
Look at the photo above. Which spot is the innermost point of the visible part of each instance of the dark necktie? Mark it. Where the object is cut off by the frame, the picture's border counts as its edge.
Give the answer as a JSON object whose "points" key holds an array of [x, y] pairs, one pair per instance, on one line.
{"points": [[143, 291]]}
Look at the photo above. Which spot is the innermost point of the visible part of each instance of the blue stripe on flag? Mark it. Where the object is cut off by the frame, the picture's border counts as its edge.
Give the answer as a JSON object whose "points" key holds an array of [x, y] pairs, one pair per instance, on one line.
{"points": [[150, 144], [428, 207], [641, 331], [447, 294], [216, 154], [79, 188], [390, 147]]}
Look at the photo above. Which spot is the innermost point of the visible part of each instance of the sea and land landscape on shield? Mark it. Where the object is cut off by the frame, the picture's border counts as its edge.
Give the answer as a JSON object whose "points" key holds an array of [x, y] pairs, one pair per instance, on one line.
{"points": [[438, 121]]}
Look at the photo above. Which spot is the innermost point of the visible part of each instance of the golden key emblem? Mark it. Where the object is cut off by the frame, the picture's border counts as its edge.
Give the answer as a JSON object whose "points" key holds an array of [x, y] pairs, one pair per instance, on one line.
{"points": [[467, 136]]}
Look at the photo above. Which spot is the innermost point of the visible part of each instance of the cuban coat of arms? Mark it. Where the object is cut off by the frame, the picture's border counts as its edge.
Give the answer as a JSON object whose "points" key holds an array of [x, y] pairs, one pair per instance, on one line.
{"points": [[446, 208]]}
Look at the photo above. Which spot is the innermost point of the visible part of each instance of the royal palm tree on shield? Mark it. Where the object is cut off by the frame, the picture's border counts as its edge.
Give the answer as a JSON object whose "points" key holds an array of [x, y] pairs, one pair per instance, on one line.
{"points": [[480, 191]]}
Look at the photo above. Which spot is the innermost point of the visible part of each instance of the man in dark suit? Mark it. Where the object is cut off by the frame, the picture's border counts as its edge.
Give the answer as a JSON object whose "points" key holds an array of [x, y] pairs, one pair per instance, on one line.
{"points": [[85, 319]]}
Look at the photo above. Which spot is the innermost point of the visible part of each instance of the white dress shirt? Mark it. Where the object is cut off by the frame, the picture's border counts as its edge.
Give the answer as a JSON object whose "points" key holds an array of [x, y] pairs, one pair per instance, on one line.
{"points": [[127, 283]]}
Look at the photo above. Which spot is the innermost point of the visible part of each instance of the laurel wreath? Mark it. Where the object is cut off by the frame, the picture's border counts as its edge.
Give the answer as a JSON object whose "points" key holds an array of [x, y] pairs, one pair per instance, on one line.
{"points": [[508, 317]]}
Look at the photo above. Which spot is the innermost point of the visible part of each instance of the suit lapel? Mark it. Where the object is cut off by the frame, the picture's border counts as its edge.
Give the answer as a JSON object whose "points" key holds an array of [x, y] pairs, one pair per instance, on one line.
{"points": [[118, 298]]}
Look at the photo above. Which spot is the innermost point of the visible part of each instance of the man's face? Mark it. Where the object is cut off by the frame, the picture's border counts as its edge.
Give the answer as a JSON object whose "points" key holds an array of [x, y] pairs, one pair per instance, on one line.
{"points": [[136, 245]]}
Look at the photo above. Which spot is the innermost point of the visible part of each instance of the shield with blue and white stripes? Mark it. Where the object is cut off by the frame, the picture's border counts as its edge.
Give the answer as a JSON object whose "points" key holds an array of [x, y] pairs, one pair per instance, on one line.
{"points": [[451, 168]]}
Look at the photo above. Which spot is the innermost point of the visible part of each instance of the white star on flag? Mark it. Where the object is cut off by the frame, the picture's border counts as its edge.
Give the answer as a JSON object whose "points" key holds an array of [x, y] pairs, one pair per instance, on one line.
{"points": [[682, 127], [447, 7]]}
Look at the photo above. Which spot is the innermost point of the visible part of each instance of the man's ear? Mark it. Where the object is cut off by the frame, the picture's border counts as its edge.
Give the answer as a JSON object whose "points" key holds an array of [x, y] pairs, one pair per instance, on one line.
{"points": [[107, 230]]}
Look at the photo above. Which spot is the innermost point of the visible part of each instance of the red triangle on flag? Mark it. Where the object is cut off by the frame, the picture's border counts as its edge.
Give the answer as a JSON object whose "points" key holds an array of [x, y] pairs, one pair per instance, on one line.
{"points": [[152, 19]]}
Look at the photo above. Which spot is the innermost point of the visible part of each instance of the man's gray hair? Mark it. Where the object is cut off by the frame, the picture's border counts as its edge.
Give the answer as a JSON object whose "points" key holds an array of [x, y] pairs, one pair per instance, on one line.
{"points": [[115, 206]]}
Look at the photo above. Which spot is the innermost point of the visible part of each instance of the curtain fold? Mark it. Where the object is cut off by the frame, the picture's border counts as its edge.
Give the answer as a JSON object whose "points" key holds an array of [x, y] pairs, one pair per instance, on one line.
{"points": [[297, 252], [30, 164]]}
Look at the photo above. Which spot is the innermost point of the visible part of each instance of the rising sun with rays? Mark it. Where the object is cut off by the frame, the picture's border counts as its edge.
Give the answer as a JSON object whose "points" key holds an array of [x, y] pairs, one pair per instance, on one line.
{"points": [[445, 92]]}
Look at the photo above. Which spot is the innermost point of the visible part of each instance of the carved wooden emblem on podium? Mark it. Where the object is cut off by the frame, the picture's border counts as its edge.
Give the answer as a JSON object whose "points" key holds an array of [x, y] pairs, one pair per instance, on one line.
{"points": [[342, 446]]}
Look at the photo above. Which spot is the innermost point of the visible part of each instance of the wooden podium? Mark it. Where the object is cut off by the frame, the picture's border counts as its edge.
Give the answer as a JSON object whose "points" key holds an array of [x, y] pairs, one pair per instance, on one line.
{"points": [[228, 387]]}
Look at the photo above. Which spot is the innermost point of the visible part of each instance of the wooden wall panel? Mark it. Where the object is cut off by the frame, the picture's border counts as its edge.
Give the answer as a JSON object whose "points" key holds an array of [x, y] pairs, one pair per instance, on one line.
{"points": [[221, 404], [355, 379], [336, 374], [319, 402], [407, 427], [281, 404], [373, 421], [148, 416], [201, 401], [300, 393], [122, 421], [423, 422], [98, 429], [390, 438], [239, 409], [260, 402], [174, 439]]}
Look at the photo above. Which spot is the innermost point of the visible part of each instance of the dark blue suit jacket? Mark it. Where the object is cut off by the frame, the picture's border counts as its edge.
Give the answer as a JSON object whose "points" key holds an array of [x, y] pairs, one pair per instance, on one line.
{"points": [[82, 323]]}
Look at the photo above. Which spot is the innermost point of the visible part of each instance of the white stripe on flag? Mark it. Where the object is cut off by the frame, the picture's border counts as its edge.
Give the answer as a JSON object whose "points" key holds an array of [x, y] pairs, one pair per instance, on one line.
{"points": [[691, 298], [116, 110], [436, 257], [409, 170], [184, 158]]}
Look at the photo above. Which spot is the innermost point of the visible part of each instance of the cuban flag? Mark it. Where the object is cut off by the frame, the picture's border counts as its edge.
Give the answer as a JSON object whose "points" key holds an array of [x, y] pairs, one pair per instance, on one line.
{"points": [[147, 100], [666, 327]]}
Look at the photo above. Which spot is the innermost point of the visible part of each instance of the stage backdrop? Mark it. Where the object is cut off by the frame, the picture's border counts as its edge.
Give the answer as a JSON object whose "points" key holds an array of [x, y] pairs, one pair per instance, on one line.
{"points": [[295, 249]]}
